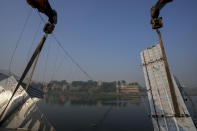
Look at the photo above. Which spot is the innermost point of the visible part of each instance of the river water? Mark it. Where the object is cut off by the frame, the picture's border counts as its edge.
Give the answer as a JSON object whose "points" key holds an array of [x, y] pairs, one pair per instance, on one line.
{"points": [[76, 114]]}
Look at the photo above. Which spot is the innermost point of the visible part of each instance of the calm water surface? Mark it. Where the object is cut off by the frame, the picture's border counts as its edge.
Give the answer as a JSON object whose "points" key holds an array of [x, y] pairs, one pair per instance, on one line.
{"points": [[76, 114]]}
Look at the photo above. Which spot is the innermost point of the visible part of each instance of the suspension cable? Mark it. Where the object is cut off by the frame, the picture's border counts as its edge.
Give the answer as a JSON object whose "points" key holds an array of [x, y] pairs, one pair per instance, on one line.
{"points": [[68, 54], [19, 39], [34, 38], [71, 58], [46, 63], [56, 67]]}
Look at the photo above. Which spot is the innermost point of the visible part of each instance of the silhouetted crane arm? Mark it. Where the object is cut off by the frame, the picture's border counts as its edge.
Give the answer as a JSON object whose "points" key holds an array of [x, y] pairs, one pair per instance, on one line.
{"points": [[155, 11], [44, 6]]}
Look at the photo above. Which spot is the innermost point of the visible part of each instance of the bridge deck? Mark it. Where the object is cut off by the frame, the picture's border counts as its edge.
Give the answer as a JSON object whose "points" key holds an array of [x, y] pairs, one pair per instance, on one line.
{"points": [[160, 99], [22, 113]]}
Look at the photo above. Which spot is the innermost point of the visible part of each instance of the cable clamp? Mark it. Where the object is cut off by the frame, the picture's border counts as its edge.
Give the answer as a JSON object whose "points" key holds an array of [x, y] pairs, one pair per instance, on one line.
{"points": [[48, 28]]}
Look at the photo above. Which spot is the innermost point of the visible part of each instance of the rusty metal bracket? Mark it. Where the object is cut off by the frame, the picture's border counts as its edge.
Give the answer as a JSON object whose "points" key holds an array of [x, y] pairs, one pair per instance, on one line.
{"points": [[48, 28], [156, 23]]}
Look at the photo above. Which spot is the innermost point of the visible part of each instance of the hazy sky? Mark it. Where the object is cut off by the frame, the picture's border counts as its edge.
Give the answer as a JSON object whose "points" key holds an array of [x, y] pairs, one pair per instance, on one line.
{"points": [[104, 36]]}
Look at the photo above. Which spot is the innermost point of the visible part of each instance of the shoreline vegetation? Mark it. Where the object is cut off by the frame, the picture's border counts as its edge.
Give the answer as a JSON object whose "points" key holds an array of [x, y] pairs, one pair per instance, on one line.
{"points": [[91, 92]]}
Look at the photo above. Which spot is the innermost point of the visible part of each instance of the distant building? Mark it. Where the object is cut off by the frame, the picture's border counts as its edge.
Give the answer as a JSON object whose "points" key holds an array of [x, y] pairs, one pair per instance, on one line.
{"points": [[74, 88], [128, 88], [57, 86], [117, 87], [99, 83], [45, 89]]}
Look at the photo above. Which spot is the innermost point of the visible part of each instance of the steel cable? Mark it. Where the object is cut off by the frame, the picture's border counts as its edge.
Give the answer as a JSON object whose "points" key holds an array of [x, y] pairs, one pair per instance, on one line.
{"points": [[34, 38], [68, 54], [71, 58], [19, 39]]}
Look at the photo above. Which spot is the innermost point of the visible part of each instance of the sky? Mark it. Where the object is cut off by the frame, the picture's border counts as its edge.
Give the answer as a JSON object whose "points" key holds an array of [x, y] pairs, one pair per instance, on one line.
{"points": [[104, 36]]}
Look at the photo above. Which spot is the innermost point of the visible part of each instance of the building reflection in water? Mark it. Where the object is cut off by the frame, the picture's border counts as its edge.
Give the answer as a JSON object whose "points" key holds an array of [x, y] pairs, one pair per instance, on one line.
{"points": [[61, 98]]}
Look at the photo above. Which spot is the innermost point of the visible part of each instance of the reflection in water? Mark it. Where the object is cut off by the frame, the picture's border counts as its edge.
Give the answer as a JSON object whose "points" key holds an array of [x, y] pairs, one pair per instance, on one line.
{"points": [[87, 112], [88, 99], [55, 99]]}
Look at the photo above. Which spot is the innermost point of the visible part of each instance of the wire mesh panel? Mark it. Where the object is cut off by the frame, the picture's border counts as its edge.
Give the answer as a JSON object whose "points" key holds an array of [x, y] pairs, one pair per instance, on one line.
{"points": [[160, 99], [22, 111]]}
